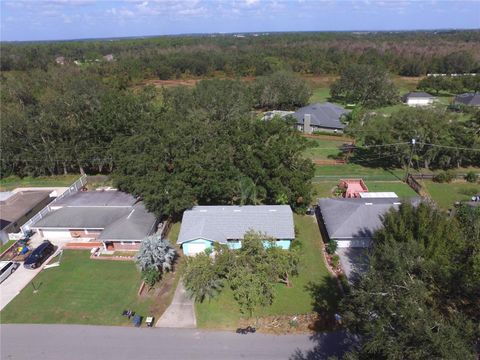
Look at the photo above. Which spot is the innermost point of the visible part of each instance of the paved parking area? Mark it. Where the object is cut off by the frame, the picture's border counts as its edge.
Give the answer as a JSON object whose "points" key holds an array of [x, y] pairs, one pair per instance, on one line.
{"points": [[181, 312], [12, 286]]}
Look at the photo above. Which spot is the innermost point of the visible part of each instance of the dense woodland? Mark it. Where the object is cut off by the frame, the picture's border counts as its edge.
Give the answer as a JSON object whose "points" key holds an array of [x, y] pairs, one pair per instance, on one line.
{"points": [[403, 53]]}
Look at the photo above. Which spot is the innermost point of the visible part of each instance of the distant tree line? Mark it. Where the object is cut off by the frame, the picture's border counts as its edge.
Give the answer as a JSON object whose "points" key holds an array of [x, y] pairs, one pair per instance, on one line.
{"points": [[403, 53], [450, 84], [441, 140]]}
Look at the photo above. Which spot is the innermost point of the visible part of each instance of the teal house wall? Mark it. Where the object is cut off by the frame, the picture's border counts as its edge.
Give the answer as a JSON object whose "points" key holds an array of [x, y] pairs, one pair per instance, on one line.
{"points": [[192, 247]]}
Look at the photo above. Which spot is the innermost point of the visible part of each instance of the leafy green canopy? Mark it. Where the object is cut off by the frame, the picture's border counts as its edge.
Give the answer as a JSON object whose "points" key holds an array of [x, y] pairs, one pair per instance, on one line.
{"points": [[419, 298], [365, 85], [201, 147], [426, 126], [250, 271]]}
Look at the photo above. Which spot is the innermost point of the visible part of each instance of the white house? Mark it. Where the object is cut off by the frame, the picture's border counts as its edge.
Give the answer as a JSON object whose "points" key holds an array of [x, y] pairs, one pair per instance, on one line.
{"points": [[418, 99]]}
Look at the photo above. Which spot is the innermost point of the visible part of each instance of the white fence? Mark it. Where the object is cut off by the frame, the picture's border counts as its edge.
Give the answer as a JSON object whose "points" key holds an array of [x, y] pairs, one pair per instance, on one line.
{"points": [[76, 186]]}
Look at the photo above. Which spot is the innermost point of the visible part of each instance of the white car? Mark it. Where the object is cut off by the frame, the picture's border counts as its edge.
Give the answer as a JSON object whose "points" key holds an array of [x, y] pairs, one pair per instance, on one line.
{"points": [[7, 268]]}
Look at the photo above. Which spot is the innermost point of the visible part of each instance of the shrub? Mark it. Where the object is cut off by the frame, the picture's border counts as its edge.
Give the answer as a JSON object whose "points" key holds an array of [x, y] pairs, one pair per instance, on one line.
{"points": [[151, 276], [444, 177], [335, 261], [471, 177], [332, 247]]}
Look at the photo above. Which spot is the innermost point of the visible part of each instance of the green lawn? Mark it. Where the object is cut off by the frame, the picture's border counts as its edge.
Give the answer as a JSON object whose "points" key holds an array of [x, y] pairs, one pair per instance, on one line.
{"points": [[80, 291], [323, 149], [336, 172], [445, 195], [323, 189], [320, 95], [398, 187], [12, 182], [6, 245], [222, 311]]}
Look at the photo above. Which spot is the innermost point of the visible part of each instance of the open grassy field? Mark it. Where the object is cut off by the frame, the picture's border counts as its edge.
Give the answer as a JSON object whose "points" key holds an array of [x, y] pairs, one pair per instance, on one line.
{"points": [[323, 189], [12, 182], [398, 187], [80, 291], [445, 195], [324, 148], [350, 170], [223, 312]]}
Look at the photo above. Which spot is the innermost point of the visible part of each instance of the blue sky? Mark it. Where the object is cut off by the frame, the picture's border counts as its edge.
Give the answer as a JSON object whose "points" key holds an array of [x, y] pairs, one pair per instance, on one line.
{"points": [[74, 19]]}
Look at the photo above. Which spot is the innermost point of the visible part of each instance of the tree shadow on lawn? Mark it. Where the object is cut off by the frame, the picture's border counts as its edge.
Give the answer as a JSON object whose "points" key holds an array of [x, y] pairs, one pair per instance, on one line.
{"points": [[329, 339], [367, 158]]}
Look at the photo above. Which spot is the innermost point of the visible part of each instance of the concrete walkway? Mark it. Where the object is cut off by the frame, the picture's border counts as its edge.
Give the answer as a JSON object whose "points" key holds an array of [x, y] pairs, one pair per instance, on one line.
{"points": [[181, 312]]}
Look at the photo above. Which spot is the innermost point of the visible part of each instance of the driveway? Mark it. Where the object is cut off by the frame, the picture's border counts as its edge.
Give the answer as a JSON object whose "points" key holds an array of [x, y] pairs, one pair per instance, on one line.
{"points": [[20, 278], [79, 342], [353, 261], [181, 312]]}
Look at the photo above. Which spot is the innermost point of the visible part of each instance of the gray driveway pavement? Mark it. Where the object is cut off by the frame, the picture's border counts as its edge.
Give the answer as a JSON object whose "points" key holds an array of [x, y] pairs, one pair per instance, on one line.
{"points": [[79, 342], [353, 261], [181, 312]]}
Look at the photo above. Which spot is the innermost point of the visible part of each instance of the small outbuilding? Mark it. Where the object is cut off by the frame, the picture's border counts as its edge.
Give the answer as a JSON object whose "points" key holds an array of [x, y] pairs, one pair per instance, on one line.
{"points": [[417, 98]]}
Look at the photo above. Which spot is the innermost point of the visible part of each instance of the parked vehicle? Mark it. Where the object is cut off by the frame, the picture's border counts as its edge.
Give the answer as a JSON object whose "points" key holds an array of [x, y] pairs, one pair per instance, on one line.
{"points": [[7, 268], [39, 255], [244, 331]]}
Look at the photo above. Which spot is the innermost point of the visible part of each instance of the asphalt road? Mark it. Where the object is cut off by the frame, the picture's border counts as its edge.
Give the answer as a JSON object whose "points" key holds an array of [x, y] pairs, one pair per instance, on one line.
{"points": [[78, 342]]}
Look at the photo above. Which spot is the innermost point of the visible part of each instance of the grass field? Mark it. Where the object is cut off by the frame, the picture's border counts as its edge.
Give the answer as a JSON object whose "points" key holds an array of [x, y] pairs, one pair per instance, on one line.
{"points": [[398, 187], [324, 148], [335, 172], [320, 95], [323, 189], [223, 312], [12, 182], [80, 291], [445, 195]]}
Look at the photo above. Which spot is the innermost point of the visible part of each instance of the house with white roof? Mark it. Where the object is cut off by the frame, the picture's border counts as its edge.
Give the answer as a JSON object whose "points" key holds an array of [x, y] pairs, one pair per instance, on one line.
{"points": [[202, 226], [418, 98]]}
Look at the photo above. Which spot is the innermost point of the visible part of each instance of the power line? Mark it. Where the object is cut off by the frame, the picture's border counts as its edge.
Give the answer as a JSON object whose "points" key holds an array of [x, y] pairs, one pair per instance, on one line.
{"points": [[449, 147]]}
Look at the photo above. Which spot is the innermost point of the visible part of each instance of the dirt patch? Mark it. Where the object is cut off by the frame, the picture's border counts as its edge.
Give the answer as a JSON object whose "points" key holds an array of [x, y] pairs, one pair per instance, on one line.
{"points": [[291, 324]]}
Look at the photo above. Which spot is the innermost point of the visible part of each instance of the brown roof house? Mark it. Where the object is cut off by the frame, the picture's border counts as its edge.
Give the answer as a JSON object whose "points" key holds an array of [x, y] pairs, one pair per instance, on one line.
{"points": [[18, 206]]}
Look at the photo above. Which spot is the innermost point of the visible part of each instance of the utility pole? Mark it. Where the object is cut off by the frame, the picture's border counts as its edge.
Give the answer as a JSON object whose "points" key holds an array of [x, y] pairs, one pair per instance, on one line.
{"points": [[410, 158]]}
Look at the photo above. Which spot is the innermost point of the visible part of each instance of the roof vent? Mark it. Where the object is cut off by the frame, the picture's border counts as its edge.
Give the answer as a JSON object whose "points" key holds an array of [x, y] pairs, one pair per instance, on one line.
{"points": [[237, 210], [203, 210], [368, 203], [272, 210]]}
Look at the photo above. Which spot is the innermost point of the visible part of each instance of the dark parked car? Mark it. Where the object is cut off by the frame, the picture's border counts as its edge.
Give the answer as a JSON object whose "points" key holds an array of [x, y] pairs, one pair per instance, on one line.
{"points": [[39, 255]]}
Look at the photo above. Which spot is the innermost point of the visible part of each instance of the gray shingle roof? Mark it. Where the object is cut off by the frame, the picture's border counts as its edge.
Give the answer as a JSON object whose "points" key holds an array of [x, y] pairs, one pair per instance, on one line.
{"points": [[118, 214], [97, 198], [355, 218], [326, 115], [472, 99], [418, 94], [220, 223], [138, 224]]}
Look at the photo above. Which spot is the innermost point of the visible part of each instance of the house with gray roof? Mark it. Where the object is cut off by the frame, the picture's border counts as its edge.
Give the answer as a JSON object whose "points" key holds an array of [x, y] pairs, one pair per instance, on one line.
{"points": [[351, 222], [117, 219], [202, 226], [468, 99], [320, 117]]}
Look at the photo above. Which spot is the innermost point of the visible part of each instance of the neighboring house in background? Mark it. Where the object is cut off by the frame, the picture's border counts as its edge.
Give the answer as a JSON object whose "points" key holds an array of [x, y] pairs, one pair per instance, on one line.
{"points": [[320, 117], [352, 222], [115, 218], [418, 99], [469, 99], [204, 225], [18, 206], [60, 60], [108, 57]]}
